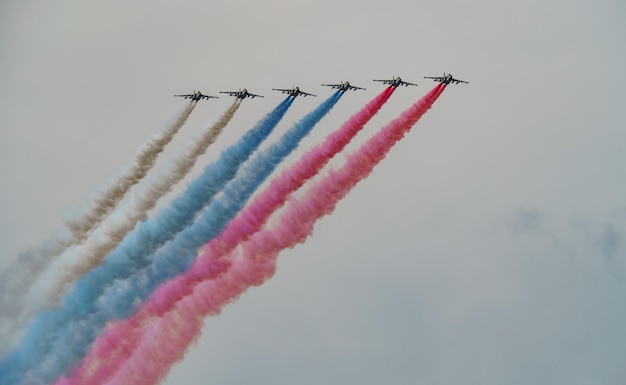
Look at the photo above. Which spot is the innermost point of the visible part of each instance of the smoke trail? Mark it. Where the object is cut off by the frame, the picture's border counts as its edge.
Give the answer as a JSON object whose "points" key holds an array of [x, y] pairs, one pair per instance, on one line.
{"points": [[109, 351], [103, 202], [166, 341], [113, 230], [125, 297], [134, 252], [16, 279], [91, 254]]}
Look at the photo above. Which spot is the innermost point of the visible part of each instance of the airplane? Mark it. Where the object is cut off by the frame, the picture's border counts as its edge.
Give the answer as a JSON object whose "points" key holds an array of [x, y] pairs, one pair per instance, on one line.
{"points": [[197, 95], [241, 94], [395, 82], [446, 79], [344, 86], [294, 91]]}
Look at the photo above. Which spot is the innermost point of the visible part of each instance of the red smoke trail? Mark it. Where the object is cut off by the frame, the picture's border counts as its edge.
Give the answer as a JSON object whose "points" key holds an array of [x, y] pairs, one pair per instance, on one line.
{"points": [[113, 348], [165, 342]]}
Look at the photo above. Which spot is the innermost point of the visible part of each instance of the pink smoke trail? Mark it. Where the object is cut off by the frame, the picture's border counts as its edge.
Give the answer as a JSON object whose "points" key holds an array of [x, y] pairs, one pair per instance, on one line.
{"points": [[255, 261], [165, 343], [112, 349]]}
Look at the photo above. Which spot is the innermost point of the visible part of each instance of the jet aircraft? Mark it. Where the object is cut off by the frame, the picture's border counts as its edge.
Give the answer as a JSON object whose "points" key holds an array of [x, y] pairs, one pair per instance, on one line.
{"points": [[197, 95], [395, 82], [294, 91], [446, 79], [344, 86], [241, 94]]}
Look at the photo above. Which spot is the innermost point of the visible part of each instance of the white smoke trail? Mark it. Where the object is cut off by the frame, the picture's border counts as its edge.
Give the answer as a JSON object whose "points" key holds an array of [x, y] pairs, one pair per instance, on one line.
{"points": [[91, 253], [104, 201], [17, 280]]}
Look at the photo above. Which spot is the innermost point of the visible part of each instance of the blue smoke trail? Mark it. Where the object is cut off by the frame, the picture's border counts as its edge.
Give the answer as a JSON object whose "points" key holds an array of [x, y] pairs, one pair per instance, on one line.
{"points": [[125, 297], [135, 252]]}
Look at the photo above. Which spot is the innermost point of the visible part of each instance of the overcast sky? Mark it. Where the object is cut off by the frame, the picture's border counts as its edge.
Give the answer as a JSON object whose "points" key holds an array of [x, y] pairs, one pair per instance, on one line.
{"points": [[488, 248]]}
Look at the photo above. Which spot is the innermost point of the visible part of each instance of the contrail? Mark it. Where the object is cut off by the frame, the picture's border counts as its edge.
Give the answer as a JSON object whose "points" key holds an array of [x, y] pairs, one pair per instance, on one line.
{"points": [[112, 231], [16, 280], [91, 253], [110, 351], [123, 298], [134, 253], [166, 340], [103, 202]]}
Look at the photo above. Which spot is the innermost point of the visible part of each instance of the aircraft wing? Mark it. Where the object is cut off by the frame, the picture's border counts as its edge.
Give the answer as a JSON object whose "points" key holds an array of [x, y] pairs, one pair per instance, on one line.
{"points": [[254, 95], [231, 93], [306, 94], [184, 96], [343, 86], [207, 97], [446, 79], [283, 90], [395, 82], [335, 86]]}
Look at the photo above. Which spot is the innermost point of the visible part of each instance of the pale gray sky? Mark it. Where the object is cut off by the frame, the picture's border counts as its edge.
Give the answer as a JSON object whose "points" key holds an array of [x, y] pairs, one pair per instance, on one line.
{"points": [[489, 247]]}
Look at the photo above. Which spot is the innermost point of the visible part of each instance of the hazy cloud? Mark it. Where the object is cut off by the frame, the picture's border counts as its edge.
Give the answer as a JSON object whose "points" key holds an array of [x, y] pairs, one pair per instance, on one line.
{"points": [[610, 241]]}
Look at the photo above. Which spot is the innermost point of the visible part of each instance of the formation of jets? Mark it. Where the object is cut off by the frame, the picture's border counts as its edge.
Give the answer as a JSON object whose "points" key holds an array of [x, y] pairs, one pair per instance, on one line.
{"points": [[395, 81], [446, 79], [294, 91]]}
